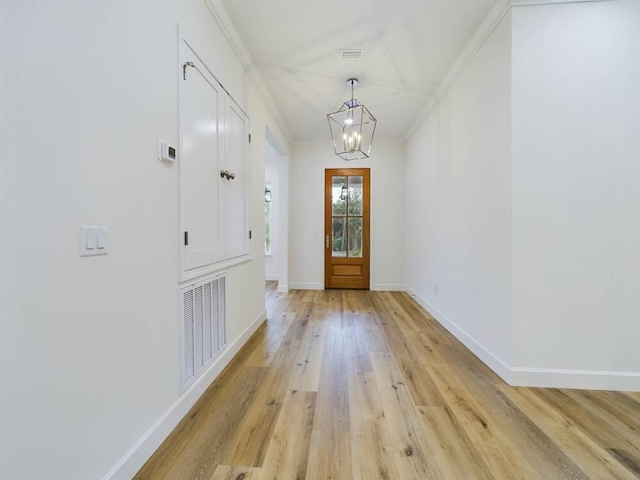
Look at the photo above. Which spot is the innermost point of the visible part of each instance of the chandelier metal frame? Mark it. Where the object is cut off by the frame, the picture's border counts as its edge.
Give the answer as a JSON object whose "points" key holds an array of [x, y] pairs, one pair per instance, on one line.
{"points": [[352, 128]]}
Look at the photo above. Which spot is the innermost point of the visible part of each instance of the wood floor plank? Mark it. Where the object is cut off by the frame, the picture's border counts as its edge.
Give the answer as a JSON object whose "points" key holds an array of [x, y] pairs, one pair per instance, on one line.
{"points": [[455, 454], [332, 409], [477, 421], [593, 459], [548, 460], [229, 472], [406, 323], [411, 445], [329, 456], [627, 459], [368, 386], [268, 340], [595, 427], [363, 339], [288, 453], [627, 427], [399, 335], [371, 450], [196, 447], [257, 425], [436, 333], [308, 364]]}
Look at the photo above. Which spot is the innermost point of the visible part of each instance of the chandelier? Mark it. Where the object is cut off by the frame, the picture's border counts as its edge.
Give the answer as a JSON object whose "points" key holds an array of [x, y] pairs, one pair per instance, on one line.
{"points": [[352, 128]]}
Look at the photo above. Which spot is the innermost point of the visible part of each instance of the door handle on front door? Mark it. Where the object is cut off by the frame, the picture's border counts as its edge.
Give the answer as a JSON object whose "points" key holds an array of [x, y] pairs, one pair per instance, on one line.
{"points": [[327, 241]]}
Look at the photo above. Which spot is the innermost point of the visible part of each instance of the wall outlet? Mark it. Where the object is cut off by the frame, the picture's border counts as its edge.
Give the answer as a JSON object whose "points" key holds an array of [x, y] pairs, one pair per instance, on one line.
{"points": [[435, 289]]}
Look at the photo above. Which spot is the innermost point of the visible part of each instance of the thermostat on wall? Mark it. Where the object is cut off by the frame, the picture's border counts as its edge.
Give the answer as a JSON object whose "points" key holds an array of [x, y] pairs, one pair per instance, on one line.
{"points": [[166, 153]]}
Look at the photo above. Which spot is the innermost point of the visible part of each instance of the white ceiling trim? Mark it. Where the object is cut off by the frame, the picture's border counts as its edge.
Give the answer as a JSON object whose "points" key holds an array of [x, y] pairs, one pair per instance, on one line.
{"points": [[488, 25], [486, 28], [523, 3], [221, 15]]}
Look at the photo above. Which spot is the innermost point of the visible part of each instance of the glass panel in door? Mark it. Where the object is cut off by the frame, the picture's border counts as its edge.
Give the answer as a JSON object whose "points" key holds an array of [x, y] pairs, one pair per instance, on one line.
{"points": [[339, 196], [346, 212], [355, 195], [354, 236], [339, 237]]}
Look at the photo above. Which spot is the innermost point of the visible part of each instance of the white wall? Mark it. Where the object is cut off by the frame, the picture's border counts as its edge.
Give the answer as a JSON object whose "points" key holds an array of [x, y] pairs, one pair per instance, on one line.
{"points": [[306, 199], [458, 204], [523, 184], [576, 201], [90, 347]]}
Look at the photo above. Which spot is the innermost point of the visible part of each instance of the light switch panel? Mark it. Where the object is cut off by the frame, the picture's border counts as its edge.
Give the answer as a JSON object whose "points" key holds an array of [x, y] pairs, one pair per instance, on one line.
{"points": [[93, 241]]}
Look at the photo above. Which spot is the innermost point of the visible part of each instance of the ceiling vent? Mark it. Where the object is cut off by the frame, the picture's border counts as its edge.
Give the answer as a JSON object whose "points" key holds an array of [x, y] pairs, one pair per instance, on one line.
{"points": [[351, 54]]}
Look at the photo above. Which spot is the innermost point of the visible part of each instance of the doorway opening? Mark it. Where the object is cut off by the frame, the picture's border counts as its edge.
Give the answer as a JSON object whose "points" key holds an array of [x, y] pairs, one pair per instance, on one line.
{"points": [[276, 204]]}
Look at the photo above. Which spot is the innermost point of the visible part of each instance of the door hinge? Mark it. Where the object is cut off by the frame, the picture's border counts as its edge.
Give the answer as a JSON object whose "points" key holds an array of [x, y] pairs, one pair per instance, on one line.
{"points": [[186, 238], [249, 234], [249, 138]]}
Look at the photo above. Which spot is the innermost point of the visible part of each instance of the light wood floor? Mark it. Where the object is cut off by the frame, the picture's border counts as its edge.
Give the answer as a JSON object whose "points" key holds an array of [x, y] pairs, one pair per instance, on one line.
{"points": [[366, 385]]}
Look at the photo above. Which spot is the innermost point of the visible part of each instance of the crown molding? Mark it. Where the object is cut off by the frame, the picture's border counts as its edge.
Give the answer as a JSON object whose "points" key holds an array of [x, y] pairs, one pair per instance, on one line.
{"points": [[219, 12], [486, 28], [526, 3]]}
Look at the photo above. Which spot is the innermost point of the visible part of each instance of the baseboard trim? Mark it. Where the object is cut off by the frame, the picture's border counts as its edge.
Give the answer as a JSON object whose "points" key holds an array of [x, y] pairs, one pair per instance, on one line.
{"points": [[492, 361], [388, 287], [142, 450], [582, 379], [306, 286], [536, 377], [283, 288]]}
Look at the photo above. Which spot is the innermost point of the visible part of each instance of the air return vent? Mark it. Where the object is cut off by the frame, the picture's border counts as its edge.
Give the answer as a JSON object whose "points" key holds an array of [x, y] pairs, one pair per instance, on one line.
{"points": [[351, 53], [203, 325]]}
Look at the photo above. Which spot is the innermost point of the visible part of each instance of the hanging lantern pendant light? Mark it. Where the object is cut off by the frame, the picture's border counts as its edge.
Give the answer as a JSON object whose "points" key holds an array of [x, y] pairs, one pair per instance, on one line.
{"points": [[352, 128]]}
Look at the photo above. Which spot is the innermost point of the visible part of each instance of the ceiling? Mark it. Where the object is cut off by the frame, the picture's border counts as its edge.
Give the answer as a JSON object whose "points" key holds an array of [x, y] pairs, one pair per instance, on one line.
{"points": [[408, 47]]}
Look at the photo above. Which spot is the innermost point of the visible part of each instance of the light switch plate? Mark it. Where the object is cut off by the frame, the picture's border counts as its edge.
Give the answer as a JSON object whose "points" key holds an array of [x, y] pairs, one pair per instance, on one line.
{"points": [[93, 241]]}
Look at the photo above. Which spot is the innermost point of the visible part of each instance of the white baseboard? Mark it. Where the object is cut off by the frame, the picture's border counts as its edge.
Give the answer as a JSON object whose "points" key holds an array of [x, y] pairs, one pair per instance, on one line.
{"points": [[493, 362], [583, 379], [380, 287], [271, 277], [306, 286], [536, 377], [388, 287], [283, 288], [142, 450]]}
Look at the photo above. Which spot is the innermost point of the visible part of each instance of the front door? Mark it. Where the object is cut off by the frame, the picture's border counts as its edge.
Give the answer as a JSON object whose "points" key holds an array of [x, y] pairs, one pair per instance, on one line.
{"points": [[347, 203]]}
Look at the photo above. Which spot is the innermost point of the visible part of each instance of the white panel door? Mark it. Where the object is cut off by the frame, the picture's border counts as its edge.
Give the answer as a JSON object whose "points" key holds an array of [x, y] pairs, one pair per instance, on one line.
{"points": [[237, 195], [201, 109]]}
